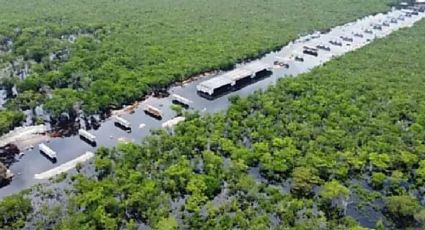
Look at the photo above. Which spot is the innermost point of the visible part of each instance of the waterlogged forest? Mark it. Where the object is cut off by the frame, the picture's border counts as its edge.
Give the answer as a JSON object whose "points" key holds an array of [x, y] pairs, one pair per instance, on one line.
{"points": [[87, 57], [342, 147]]}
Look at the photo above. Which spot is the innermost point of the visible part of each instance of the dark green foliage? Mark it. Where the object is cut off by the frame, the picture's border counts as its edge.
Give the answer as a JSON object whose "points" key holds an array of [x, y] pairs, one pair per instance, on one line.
{"points": [[10, 119], [403, 209], [28, 100], [378, 179], [63, 101], [303, 181], [358, 118], [115, 52], [13, 211]]}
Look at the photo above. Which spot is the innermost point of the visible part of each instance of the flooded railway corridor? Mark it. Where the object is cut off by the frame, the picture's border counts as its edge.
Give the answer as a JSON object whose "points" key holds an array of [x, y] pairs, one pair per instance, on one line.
{"points": [[298, 57]]}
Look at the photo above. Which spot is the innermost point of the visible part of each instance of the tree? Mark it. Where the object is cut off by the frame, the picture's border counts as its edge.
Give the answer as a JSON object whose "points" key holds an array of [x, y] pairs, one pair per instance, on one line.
{"points": [[63, 101], [212, 163], [402, 209], [178, 175], [13, 211], [103, 166], [33, 83], [29, 100], [177, 108], [335, 195], [169, 223], [420, 173], [378, 179], [7, 83], [381, 161], [10, 119], [409, 159], [303, 181]]}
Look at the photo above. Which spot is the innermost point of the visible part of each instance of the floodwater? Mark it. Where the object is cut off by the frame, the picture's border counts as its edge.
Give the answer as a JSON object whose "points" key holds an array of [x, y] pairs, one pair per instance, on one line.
{"points": [[68, 148], [2, 97]]}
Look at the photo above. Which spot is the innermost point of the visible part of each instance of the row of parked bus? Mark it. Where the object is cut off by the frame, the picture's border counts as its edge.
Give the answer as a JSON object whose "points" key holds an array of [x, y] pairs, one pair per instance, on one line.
{"points": [[153, 111], [386, 22], [122, 123]]}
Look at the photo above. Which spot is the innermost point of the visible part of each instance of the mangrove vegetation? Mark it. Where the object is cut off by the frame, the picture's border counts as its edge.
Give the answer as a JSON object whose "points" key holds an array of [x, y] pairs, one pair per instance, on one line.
{"points": [[86, 57], [342, 147]]}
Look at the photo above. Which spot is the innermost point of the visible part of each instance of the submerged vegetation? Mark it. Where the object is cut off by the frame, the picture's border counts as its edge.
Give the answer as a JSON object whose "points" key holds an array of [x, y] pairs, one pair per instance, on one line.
{"points": [[94, 55], [10, 119], [325, 150], [13, 211]]}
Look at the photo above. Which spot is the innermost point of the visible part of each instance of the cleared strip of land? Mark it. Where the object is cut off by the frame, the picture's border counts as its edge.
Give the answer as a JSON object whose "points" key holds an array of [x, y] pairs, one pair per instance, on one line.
{"points": [[22, 134], [64, 167]]}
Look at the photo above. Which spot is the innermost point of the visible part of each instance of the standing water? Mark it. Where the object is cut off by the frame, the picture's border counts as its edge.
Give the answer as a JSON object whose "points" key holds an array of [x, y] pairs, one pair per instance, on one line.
{"points": [[291, 60]]}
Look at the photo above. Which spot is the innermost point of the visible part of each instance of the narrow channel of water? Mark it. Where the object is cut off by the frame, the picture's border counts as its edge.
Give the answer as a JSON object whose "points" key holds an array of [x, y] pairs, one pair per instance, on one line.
{"points": [[69, 148]]}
